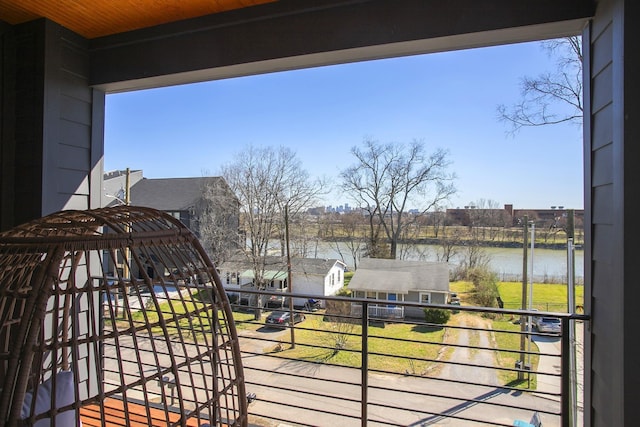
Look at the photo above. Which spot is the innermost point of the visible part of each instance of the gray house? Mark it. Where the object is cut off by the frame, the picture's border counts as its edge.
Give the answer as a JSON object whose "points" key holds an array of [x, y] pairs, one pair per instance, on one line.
{"points": [[206, 205], [391, 280]]}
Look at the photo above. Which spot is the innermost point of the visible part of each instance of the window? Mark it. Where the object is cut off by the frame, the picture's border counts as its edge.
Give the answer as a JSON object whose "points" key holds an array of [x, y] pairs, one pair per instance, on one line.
{"points": [[371, 295], [228, 278], [425, 297]]}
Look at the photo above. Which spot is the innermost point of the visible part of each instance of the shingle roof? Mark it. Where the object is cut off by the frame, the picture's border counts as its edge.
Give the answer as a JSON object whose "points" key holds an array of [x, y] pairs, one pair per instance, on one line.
{"points": [[170, 194], [400, 276], [310, 266]]}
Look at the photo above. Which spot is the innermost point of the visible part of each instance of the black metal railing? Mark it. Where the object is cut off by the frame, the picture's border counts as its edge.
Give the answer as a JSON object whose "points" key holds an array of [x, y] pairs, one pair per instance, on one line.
{"points": [[489, 386]]}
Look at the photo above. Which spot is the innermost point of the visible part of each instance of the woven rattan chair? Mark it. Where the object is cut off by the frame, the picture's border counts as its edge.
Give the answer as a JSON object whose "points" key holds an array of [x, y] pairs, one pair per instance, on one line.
{"points": [[114, 316]]}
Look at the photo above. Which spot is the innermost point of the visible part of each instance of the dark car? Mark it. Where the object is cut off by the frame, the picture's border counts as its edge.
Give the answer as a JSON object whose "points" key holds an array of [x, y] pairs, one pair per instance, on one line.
{"points": [[277, 301], [282, 319]]}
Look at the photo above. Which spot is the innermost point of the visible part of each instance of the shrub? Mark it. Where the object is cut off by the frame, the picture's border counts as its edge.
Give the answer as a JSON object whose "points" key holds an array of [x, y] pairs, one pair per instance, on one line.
{"points": [[485, 283], [438, 316], [344, 292]]}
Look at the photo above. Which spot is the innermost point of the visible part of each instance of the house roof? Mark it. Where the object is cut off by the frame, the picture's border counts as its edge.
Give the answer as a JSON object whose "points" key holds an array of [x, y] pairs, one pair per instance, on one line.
{"points": [[275, 264], [383, 275], [268, 274], [170, 194]]}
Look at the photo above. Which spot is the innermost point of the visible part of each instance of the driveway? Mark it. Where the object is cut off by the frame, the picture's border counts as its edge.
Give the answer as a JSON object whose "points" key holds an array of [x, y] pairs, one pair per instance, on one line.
{"points": [[325, 386], [551, 364]]}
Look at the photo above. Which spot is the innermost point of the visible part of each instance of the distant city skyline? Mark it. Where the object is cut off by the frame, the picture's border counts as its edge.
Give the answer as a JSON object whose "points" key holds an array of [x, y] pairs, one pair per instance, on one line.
{"points": [[448, 100], [346, 207]]}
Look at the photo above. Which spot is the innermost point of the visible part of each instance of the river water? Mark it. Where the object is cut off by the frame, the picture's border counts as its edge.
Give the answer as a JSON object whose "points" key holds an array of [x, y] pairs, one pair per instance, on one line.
{"points": [[548, 264]]}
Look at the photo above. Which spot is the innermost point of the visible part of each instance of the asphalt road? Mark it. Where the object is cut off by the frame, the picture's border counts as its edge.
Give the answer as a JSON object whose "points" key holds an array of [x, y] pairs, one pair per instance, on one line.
{"points": [[318, 393]]}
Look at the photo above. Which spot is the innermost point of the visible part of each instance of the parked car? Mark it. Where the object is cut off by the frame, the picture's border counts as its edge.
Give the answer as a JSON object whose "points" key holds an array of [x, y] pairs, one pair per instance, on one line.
{"points": [[547, 324], [282, 318], [277, 301]]}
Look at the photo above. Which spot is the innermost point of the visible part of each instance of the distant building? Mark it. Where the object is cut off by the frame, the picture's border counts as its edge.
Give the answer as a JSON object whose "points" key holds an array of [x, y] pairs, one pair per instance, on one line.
{"points": [[114, 186], [196, 202], [511, 217]]}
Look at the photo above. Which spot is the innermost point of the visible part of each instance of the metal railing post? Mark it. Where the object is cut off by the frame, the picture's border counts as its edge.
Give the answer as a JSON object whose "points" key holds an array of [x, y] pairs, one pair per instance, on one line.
{"points": [[364, 416], [565, 387]]}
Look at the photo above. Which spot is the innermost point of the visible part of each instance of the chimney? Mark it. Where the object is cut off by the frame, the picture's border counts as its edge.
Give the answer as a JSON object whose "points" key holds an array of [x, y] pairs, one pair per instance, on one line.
{"points": [[509, 209]]}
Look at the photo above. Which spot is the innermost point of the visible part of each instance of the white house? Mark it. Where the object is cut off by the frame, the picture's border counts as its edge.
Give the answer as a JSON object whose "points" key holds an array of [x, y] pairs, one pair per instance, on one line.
{"points": [[314, 276], [392, 280]]}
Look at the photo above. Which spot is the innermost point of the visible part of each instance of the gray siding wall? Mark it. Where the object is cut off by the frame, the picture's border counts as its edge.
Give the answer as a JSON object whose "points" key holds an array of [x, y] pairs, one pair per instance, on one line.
{"points": [[74, 113], [52, 124], [612, 174], [418, 313]]}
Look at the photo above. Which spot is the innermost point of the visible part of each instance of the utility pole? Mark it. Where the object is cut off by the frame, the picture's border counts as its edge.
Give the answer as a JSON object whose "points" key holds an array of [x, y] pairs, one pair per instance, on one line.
{"points": [[126, 271], [571, 308], [127, 202], [523, 323], [289, 275], [530, 318]]}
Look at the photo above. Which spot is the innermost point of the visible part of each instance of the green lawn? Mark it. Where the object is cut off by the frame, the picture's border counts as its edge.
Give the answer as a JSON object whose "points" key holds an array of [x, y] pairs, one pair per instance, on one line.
{"points": [[546, 297], [340, 344], [507, 342], [405, 346]]}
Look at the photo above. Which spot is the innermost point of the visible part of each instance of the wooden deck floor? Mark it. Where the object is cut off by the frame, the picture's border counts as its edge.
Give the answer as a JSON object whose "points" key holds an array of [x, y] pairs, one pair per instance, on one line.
{"points": [[138, 416]]}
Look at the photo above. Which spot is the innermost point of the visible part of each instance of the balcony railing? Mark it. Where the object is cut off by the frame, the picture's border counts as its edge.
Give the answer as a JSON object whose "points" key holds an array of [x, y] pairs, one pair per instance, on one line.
{"points": [[340, 369], [377, 311]]}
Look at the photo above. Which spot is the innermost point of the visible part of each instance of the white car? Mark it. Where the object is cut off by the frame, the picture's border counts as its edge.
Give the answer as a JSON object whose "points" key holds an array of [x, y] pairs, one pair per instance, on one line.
{"points": [[547, 324]]}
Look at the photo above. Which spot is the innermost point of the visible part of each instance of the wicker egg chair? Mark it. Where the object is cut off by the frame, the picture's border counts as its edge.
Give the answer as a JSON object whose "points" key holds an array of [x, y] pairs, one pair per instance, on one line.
{"points": [[115, 316]]}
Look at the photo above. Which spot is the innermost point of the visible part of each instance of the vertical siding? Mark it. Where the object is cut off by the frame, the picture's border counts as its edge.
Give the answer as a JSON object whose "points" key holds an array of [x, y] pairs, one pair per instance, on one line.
{"points": [[7, 165], [603, 246], [52, 124], [23, 53], [627, 123], [612, 174], [72, 154]]}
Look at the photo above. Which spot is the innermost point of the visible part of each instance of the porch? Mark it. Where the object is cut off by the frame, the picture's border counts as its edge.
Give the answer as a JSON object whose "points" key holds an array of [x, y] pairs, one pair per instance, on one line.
{"points": [[379, 311]]}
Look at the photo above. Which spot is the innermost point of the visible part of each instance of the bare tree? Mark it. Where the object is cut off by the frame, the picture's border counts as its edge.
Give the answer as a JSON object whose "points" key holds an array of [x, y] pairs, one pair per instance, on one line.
{"points": [[266, 180], [473, 256], [297, 194], [438, 221], [389, 179], [542, 95], [346, 231], [219, 220], [487, 218], [449, 245]]}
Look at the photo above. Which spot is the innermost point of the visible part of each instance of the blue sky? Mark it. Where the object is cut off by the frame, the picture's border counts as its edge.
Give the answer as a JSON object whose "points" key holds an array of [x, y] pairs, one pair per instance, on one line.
{"points": [[448, 100]]}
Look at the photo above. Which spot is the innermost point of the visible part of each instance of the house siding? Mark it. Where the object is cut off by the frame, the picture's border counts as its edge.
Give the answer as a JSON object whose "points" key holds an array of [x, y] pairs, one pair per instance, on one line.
{"points": [[308, 284], [303, 283], [611, 152], [414, 296], [53, 127]]}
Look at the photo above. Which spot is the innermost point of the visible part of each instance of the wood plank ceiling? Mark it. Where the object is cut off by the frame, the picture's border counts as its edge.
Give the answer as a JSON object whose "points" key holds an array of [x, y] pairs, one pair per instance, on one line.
{"points": [[97, 18]]}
